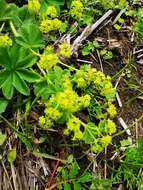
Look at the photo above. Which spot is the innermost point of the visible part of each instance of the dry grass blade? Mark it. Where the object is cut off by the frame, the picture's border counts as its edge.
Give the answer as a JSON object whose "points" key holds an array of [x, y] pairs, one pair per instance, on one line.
{"points": [[124, 125], [87, 31]]}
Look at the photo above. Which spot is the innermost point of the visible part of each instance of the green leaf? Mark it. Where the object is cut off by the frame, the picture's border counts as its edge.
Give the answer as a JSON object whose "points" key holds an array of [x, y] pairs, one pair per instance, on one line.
{"points": [[65, 174], [74, 169], [11, 156], [90, 133], [15, 62], [28, 75], [26, 61], [7, 11], [45, 155], [51, 83], [5, 60], [3, 105], [67, 186], [3, 76], [2, 138], [20, 85], [7, 88], [77, 186], [101, 184], [87, 19], [87, 177], [30, 36]]}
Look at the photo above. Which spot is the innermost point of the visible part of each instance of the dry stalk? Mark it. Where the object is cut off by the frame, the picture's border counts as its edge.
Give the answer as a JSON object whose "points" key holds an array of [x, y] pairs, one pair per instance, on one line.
{"points": [[87, 31]]}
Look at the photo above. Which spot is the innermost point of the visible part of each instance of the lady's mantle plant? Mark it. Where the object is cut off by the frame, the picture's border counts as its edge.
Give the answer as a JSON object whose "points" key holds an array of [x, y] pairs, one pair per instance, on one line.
{"points": [[69, 93]]}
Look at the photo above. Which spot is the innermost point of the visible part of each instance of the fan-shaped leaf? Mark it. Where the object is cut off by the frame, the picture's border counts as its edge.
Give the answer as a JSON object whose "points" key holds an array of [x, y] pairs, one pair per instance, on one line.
{"points": [[3, 105], [7, 87], [20, 85], [30, 36], [3, 76], [28, 75]]}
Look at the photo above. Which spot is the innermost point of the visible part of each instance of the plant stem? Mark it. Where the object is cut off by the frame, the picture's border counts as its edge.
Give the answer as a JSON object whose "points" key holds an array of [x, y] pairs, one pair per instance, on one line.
{"points": [[35, 53], [38, 55], [2, 26], [53, 173], [13, 28], [130, 126], [68, 66], [60, 183]]}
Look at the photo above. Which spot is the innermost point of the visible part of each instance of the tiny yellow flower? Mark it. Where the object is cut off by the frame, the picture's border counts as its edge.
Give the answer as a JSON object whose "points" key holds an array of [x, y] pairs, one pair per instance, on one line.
{"points": [[73, 124], [5, 41], [42, 121], [77, 9], [67, 83], [81, 82], [52, 113], [91, 75], [48, 61], [65, 50], [46, 26], [34, 5], [111, 126], [107, 89], [105, 140], [57, 23], [78, 135], [85, 100], [111, 110], [52, 11], [96, 148]]}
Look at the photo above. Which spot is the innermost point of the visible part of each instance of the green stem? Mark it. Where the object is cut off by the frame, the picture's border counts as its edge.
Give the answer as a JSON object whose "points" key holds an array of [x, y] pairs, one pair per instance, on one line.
{"points": [[130, 126], [13, 28], [68, 66], [38, 55], [2, 26], [35, 53]]}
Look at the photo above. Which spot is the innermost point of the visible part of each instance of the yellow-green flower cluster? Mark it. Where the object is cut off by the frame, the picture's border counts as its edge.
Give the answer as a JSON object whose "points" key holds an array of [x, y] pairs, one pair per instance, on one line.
{"points": [[90, 76], [5, 41], [51, 115], [65, 50], [111, 110], [51, 11], [110, 126], [107, 89], [48, 25], [45, 122], [101, 143], [48, 59], [34, 5], [73, 125], [70, 101], [65, 102], [103, 135], [105, 141], [77, 9]]}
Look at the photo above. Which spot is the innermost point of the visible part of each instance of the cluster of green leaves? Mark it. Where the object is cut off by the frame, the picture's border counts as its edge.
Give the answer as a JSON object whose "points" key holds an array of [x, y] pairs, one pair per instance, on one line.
{"points": [[129, 170], [89, 48], [17, 61], [69, 176]]}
